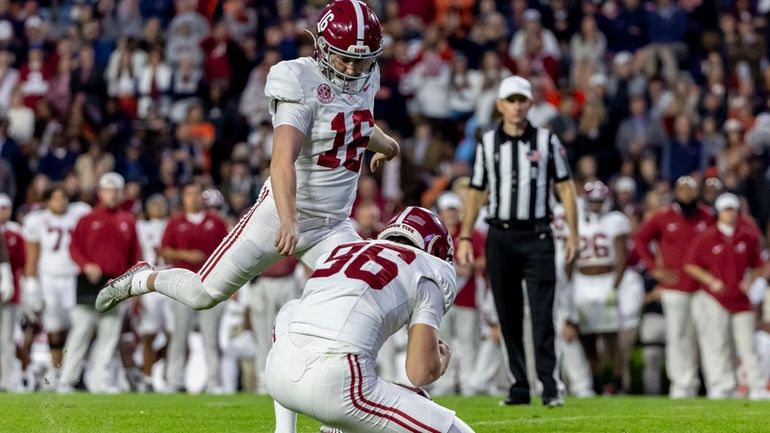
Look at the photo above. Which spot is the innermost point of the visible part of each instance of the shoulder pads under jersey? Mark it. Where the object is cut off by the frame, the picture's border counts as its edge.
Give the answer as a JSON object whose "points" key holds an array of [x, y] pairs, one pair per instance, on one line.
{"points": [[445, 276], [283, 85]]}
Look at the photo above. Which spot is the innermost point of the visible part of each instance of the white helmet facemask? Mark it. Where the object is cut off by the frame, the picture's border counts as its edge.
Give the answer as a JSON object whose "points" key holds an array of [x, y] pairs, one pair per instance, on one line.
{"points": [[345, 83]]}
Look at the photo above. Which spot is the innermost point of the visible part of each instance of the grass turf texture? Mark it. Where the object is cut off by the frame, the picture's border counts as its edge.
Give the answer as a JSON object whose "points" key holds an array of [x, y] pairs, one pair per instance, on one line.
{"points": [[135, 413]]}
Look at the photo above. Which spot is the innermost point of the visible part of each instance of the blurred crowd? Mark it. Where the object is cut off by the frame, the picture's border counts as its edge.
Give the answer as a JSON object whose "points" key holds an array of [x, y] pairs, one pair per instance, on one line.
{"points": [[167, 92]]}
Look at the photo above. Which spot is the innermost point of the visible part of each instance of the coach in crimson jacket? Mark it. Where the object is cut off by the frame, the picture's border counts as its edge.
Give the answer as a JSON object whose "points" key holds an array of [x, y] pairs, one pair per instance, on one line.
{"points": [[104, 243], [672, 230], [188, 241], [719, 260], [191, 237]]}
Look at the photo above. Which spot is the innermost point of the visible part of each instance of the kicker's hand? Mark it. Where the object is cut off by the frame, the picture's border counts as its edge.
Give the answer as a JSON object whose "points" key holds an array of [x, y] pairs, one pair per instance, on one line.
{"points": [[287, 237], [378, 160]]}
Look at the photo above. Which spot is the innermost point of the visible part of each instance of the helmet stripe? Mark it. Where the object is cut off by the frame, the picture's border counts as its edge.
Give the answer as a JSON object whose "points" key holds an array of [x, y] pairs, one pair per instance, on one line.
{"points": [[359, 22], [404, 214]]}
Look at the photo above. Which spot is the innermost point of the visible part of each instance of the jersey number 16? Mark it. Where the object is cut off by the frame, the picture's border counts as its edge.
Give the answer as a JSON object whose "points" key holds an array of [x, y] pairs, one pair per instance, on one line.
{"points": [[352, 161]]}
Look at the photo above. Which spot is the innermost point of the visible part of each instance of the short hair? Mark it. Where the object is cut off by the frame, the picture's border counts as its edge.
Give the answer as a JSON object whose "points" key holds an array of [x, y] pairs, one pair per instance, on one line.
{"points": [[48, 193], [157, 198], [186, 185]]}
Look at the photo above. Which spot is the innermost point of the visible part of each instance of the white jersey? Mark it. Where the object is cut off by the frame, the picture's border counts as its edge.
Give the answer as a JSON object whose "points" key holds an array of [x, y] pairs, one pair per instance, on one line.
{"points": [[597, 236], [14, 227], [150, 233], [363, 292], [53, 233], [337, 128], [560, 231]]}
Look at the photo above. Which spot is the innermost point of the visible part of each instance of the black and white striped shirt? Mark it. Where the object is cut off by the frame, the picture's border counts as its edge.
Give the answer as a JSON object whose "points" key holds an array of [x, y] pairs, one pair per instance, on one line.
{"points": [[518, 171]]}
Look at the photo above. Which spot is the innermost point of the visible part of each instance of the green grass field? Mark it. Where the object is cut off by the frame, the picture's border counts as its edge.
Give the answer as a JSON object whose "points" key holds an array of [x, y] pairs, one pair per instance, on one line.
{"points": [[137, 413]]}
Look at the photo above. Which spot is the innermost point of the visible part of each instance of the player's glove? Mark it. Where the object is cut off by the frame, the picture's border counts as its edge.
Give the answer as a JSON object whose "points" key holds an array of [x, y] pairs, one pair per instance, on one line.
{"points": [[31, 295], [6, 282], [415, 389]]}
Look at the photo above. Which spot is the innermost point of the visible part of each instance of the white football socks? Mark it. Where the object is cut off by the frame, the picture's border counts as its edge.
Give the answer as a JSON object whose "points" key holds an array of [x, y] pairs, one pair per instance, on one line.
{"points": [[139, 282], [285, 419], [184, 286]]}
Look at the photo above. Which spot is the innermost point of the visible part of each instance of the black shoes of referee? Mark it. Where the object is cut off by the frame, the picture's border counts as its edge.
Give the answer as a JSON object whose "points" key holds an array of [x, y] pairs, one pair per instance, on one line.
{"points": [[549, 402]]}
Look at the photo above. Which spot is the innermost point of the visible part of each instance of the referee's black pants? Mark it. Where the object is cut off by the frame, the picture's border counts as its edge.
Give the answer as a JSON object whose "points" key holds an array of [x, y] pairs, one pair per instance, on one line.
{"points": [[514, 255]]}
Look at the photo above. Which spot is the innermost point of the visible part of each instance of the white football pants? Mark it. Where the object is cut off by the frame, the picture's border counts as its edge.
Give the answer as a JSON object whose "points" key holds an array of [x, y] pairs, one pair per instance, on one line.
{"points": [[266, 297], [343, 391], [184, 321], [247, 251], [85, 320], [652, 334], [9, 316], [718, 330], [762, 342], [681, 344]]}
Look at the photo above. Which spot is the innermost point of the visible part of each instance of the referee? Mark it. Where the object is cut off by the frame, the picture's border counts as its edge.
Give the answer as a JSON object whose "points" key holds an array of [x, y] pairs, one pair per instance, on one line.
{"points": [[516, 163]]}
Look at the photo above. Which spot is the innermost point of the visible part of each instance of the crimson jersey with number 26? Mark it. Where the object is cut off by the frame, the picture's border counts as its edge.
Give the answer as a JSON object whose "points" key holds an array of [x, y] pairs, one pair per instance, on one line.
{"points": [[337, 128], [363, 292]]}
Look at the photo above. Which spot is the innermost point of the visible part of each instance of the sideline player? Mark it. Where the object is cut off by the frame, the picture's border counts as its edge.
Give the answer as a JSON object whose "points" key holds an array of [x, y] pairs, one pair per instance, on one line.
{"points": [[10, 292], [360, 294], [461, 323], [599, 273], [574, 363], [50, 267], [156, 315], [322, 115]]}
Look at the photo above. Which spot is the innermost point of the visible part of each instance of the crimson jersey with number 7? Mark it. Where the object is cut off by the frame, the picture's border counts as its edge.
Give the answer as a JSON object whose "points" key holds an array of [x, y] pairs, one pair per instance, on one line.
{"points": [[363, 292], [337, 128]]}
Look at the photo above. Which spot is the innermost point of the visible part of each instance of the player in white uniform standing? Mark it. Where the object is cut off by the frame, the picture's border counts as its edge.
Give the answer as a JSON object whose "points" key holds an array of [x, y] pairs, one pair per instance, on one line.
{"points": [[573, 359], [323, 364], [50, 268], [11, 265], [600, 272], [155, 314], [322, 115]]}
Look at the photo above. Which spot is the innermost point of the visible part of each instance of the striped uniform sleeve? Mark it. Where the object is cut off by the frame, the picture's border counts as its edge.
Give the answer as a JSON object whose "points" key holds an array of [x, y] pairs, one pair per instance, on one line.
{"points": [[479, 177], [558, 160]]}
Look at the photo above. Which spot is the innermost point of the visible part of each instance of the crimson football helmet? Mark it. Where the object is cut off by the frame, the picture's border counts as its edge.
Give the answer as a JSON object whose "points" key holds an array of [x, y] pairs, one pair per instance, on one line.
{"points": [[348, 28], [596, 196], [213, 198], [595, 190], [423, 229]]}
